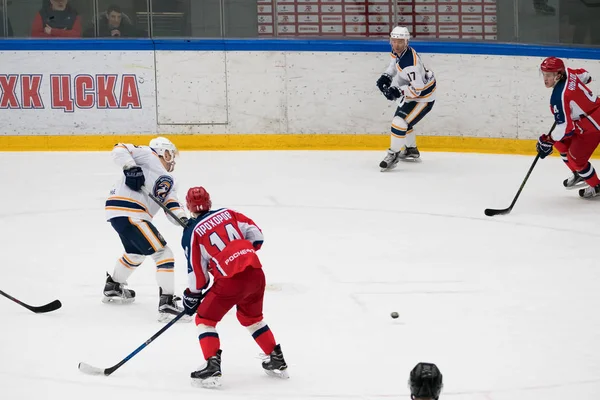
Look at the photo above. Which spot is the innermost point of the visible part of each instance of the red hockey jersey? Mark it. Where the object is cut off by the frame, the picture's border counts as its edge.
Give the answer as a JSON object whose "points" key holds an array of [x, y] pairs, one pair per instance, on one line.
{"points": [[576, 109], [223, 243]]}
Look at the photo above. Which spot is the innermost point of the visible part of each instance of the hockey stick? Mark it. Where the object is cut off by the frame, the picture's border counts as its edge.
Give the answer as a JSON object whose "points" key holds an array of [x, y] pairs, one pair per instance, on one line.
{"points": [[55, 305], [165, 208], [91, 370], [490, 212]]}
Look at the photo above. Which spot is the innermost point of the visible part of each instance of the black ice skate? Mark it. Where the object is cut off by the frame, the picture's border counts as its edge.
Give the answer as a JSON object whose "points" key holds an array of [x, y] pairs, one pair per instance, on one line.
{"points": [[390, 161], [275, 364], [168, 308], [115, 292], [210, 375], [589, 192], [574, 182], [411, 153]]}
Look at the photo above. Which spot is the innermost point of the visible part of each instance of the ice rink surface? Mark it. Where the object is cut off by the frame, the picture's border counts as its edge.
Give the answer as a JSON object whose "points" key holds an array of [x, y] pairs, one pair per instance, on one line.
{"points": [[507, 307]]}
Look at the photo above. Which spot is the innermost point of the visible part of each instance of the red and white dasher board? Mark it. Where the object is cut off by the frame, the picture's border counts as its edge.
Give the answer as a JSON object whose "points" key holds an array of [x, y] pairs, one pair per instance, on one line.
{"points": [[447, 19]]}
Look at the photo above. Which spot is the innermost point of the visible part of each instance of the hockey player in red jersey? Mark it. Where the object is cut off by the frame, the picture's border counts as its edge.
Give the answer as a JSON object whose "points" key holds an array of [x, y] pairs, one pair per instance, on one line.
{"points": [[223, 243], [577, 114]]}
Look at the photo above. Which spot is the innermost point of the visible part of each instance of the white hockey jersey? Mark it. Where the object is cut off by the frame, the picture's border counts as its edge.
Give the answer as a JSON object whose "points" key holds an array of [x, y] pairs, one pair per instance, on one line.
{"points": [[124, 202], [410, 75]]}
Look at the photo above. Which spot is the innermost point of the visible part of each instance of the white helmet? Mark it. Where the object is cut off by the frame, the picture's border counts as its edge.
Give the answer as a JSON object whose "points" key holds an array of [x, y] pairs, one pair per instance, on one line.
{"points": [[400, 32], [165, 149]]}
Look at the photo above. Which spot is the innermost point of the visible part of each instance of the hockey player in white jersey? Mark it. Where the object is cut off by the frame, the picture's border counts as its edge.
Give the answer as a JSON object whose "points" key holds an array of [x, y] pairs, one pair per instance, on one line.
{"points": [[413, 86], [130, 212]]}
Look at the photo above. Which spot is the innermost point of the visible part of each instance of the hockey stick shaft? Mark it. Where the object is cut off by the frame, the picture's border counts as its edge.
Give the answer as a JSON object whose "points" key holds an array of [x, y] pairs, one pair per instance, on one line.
{"points": [[492, 212], [83, 367], [165, 208], [535, 160], [54, 305]]}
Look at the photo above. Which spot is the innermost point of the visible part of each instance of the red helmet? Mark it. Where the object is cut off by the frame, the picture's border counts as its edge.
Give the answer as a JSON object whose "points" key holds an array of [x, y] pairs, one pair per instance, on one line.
{"points": [[198, 200], [553, 64]]}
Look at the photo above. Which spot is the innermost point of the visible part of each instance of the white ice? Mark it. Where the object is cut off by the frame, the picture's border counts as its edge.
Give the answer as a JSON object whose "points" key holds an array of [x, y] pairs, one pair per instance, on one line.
{"points": [[507, 307]]}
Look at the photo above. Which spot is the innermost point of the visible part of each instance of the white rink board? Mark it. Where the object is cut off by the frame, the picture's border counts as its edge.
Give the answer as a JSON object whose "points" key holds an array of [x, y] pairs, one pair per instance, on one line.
{"points": [[265, 92], [196, 96], [62, 93]]}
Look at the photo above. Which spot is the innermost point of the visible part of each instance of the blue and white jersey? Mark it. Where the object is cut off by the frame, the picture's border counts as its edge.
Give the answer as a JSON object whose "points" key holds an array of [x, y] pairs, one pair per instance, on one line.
{"points": [[410, 75], [124, 202]]}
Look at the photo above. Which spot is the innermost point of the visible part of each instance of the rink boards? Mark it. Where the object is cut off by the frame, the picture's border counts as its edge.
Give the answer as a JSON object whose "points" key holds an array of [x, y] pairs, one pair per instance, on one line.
{"points": [[267, 94]]}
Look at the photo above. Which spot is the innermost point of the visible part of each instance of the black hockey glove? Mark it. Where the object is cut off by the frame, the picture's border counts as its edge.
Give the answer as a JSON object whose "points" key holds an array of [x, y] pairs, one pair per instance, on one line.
{"points": [[384, 82], [191, 301], [393, 93], [544, 146], [134, 178]]}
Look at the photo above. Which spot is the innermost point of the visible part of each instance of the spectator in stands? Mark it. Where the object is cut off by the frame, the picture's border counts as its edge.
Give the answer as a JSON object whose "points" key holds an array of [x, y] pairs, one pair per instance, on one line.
{"points": [[114, 23], [541, 7], [56, 19]]}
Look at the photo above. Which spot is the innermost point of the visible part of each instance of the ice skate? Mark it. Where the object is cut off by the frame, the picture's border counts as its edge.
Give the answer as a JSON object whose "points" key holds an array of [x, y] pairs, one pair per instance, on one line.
{"points": [[589, 192], [275, 364], [410, 154], [168, 308], [390, 161], [575, 181], [210, 376], [115, 292]]}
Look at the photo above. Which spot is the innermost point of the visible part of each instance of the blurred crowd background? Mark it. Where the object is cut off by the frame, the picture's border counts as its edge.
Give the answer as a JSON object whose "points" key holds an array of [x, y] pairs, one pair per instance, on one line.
{"points": [[571, 22]]}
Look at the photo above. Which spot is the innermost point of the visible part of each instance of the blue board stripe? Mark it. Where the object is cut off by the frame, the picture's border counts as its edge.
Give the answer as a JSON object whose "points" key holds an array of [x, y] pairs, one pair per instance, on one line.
{"points": [[299, 45]]}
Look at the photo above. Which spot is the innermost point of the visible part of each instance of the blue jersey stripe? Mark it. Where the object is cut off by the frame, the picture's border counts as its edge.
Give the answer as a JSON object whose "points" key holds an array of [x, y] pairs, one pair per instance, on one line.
{"points": [[124, 204]]}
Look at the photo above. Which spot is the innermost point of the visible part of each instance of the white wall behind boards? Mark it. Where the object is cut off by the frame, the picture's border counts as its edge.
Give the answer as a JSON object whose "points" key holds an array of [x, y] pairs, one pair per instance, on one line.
{"points": [[87, 92]]}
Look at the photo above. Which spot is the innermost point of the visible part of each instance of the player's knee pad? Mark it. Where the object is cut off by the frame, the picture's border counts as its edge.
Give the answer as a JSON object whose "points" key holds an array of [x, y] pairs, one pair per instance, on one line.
{"points": [[164, 259], [248, 321], [132, 261], [399, 126]]}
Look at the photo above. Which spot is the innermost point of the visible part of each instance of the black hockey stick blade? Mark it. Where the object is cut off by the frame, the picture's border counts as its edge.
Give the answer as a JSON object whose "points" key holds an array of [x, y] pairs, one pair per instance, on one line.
{"points": [[490, 212], [55, 305], [91, 370]]}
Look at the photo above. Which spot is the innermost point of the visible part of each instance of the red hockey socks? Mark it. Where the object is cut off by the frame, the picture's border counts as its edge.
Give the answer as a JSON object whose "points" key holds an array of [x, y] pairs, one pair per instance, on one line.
{"points": [[209, 340], [263, 336], [589, 175]]}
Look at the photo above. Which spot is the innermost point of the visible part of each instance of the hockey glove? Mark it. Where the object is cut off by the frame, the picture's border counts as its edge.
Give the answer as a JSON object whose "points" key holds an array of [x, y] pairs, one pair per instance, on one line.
{"points": [[393, 93], [384, 82], [544, 146], [186, 221], [191, 301], [134, 178]]}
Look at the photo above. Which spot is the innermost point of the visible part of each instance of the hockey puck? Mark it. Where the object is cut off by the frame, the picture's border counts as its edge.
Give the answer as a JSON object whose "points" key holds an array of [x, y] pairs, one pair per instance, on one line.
{"points": [[394, 315]]}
